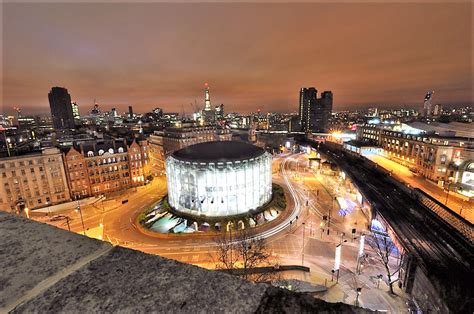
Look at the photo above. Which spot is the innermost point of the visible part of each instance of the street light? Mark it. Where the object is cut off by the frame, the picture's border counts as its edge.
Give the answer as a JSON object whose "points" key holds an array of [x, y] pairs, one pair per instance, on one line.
{"points": [[302, 250], [358, 294], [449, 187], [78, 208], [379, 278]]}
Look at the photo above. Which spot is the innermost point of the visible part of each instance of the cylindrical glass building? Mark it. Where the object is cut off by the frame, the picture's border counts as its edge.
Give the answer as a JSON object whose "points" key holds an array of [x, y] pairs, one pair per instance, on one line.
{"points": [[219, 178]]}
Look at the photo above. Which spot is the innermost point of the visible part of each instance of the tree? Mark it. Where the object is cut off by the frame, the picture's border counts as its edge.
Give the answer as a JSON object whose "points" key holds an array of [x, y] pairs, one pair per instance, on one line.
{"points": [[242, 255], [384, 248]]}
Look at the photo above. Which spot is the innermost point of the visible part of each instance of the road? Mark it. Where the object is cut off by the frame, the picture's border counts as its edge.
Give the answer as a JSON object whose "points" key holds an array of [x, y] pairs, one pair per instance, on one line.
{"points": [[309, 196], [455, 202]]}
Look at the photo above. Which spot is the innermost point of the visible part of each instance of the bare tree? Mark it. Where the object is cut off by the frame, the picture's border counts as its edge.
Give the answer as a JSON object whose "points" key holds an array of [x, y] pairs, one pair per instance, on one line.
{"points": [[243, 255], [385, 248]]}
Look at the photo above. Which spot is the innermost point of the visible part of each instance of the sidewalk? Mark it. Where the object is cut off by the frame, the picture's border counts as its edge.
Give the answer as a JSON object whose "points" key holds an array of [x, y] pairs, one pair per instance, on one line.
{"points": [[454, 201], [69, 205], [319, 247]]}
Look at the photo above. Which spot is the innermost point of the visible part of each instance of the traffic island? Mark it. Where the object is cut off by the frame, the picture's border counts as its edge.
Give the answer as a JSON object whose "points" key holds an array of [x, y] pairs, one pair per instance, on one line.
{"points": [[163, 218]]}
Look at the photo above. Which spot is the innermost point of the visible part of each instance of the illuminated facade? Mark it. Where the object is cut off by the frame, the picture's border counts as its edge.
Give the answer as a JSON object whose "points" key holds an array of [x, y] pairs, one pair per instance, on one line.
{"points": [[219, 178], [438, 155]]}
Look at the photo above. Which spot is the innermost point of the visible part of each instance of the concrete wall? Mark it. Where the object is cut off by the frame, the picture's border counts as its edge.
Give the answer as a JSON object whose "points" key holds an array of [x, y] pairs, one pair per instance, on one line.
{"points": [[426, 295], [50, 270]]}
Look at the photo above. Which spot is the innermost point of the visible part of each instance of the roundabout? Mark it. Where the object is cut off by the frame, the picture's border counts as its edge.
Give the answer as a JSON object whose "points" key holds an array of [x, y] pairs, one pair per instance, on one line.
{"points": [[217, 187], [163, 218]]}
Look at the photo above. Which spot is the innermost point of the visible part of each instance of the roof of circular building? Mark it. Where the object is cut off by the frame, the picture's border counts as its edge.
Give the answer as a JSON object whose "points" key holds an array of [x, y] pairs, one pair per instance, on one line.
{"points": [[218, 151]]}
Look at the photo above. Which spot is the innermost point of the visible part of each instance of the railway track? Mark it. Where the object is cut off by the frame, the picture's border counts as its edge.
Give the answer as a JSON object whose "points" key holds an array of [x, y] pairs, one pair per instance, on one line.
{"points": [[443, 252]]}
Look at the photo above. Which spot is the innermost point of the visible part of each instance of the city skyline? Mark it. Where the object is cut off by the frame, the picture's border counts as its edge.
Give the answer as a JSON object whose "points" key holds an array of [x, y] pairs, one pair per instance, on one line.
{"points": [[151, 55]]}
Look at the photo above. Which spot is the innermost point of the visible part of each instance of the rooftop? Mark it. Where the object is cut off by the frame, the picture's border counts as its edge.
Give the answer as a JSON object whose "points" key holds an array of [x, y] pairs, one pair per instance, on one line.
{"points": [[218, 151], [452, 129], [50, 270]]}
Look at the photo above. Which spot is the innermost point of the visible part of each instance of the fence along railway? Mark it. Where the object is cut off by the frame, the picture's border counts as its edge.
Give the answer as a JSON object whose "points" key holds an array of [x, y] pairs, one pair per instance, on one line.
{"points": [[437, 258]]}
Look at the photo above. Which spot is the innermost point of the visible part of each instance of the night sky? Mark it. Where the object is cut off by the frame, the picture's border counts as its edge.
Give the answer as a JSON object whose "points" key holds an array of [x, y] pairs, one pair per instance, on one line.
{"points": [[254, 56]]}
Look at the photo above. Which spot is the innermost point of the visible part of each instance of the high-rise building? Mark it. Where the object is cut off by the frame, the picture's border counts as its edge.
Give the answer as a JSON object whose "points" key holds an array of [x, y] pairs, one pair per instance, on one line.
{"points": [[314, 113], [75, 112], [61, 108], [308, 97], [323, 112], [208, 114], [130, 112], [427, 110]]}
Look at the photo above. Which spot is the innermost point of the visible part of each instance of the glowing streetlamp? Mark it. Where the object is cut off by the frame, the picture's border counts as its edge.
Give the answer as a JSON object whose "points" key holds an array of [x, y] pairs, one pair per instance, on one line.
{"points": [[78, 209], [357, 296]]}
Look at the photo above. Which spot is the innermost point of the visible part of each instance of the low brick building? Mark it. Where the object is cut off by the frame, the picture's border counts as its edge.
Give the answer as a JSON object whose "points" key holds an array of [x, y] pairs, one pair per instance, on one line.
{"points": [[100, 167]]}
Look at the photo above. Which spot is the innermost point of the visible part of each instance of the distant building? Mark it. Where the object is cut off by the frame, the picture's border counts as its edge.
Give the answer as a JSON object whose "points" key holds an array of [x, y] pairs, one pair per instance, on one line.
{"points": [[163, 144], [220, 112], [114, 112], [33, 180], [315, 113], [372, 112], [130, 112], [75, 112], [438, 109], [61, 108], [322, 112], [158, 111], [427, 110], [308, 98], [170, 118], [101, 167], [95, 110], [26, 122], [175, 138], [294, 124], [208, 114]]}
